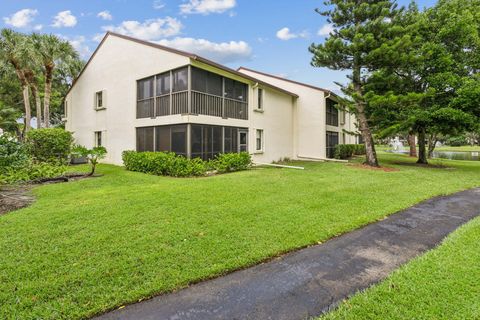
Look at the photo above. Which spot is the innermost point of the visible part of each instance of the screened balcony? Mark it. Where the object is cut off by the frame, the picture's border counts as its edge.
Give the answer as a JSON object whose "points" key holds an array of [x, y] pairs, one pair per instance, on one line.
{"points": [[190, 90]]}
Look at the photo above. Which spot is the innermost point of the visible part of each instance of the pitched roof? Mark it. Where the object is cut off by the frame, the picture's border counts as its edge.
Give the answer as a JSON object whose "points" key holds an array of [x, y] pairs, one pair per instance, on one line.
{"points": [[288, 80], [182, 53]]}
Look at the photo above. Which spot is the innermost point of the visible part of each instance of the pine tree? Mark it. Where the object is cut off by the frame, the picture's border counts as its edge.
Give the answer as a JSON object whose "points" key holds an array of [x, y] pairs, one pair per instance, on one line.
{"points": [[361, 41]]}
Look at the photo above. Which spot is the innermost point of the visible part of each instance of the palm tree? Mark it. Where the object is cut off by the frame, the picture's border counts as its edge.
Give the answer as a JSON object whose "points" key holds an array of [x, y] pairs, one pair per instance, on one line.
{"points": [[13, 50], [51, 50]]}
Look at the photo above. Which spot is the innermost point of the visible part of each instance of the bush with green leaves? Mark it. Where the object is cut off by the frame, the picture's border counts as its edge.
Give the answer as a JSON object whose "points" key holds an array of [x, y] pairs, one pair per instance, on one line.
{"points": [[13, 154], [163, 164], [457, 141], [93, 155], [346, 151], [50, 145], [34, 171], [230, 162], [170, 164]]}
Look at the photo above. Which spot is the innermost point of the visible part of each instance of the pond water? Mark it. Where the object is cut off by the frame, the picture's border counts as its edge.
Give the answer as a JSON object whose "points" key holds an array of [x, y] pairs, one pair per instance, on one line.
{"points": [[452, 155]]}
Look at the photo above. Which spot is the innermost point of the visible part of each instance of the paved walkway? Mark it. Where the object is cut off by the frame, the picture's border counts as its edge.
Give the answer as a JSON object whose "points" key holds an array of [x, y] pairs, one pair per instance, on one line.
{"points": [[312, 280]]}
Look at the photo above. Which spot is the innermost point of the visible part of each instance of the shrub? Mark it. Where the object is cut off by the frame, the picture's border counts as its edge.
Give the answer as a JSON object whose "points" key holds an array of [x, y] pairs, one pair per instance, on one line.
{"points": [[13, 154], [50, 145], [163, 164], [230, 162], [346, 151], [92, 155], [169, 164], [456, 141], [31, 172]]}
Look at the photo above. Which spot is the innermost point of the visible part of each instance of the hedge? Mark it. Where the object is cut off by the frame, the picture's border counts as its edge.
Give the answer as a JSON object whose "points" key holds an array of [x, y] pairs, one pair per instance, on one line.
{"points": [[346, 151], [170, 164], [50, 145]]}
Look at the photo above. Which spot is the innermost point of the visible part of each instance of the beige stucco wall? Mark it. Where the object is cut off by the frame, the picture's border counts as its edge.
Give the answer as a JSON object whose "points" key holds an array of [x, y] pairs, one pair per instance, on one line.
{"points": [[115, 69], [276, 121], [310, 118]]}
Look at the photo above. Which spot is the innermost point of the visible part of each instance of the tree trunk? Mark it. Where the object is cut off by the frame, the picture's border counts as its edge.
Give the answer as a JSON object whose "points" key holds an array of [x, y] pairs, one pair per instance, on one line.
{"points": [[412, 144], [422, 154], [28, 114], [432, 142], [46, 98], [38, 105], [370, 154]]}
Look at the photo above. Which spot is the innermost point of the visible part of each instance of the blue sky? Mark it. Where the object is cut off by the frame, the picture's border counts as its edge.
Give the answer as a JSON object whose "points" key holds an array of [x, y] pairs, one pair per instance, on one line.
{"points": [[271, 36]]}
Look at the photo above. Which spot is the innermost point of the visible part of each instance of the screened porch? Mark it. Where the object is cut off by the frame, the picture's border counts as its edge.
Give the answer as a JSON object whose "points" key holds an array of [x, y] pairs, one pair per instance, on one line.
{"points": [[190, 90]]}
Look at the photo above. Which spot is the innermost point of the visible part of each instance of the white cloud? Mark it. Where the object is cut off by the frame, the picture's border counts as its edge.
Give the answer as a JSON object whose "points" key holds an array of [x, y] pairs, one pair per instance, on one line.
{"points": [[98, 37], [207, 6], [158, 4], [150, 29], [325, 30], [64, 19], [79, 43], [21, 18], [105, 15], [38, 27], [223, 52], [286, 34]]}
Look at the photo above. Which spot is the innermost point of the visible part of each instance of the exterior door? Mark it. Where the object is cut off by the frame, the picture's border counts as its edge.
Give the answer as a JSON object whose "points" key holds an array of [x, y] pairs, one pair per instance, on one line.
{"points": [[242, 140]]}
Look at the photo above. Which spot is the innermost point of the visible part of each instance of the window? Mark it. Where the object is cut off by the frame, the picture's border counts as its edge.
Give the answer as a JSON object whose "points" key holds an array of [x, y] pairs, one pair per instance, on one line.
{"points": [[207, 82], [180, 79], [99, 100], [332, 141], [259, 140], [209, 141], [331, 113], [145, 100], [163, 83], [260, 99], [98, 138], [65, 109], [343, 116], [235, 90], [145, 139], [178, 138]]}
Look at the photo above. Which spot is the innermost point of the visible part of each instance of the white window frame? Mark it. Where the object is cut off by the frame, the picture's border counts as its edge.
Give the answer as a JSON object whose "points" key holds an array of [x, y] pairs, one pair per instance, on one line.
{"points": [[95, 137], [259, 100], [259, 134], [104, 100]]}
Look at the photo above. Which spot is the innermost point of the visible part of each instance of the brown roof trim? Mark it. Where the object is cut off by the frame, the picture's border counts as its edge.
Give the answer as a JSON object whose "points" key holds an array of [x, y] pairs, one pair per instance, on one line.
{"points": [[288, 80], [179, 52]]}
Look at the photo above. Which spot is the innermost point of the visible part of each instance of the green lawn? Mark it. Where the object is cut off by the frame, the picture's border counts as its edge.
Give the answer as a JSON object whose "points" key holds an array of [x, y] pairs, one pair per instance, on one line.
{"points": [[442, 284], [88, 246], [459, 149]]}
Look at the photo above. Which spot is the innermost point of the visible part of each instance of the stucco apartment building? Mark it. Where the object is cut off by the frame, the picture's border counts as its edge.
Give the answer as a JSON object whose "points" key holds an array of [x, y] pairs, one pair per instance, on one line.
{"points": [[137, 95]]}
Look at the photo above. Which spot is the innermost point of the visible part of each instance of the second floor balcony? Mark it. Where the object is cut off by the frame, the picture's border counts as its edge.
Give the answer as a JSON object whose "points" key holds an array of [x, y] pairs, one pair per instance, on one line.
{"points": [[190, 90]]}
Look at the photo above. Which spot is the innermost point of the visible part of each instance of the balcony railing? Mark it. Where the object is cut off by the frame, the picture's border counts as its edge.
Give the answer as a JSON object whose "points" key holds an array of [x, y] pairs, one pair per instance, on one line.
{"points": [[207, 104], [236, 109], [201, 103]]}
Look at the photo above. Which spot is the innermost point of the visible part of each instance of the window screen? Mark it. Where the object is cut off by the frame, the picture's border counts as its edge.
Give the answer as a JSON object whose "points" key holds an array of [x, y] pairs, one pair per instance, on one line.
{"points": [[331, 113], [145, 89], [163, 83], [180, 79], [145, 139]]}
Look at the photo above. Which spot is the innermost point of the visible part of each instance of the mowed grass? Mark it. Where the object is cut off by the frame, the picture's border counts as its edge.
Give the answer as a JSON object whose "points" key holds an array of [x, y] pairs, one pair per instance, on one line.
{"points": [[88, 246], [442, 284], [459, 149]]}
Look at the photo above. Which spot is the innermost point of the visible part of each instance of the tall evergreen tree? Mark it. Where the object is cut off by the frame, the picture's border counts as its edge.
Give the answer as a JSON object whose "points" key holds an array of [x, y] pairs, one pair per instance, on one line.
{"points": [[418, 90], [360, 42]]}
